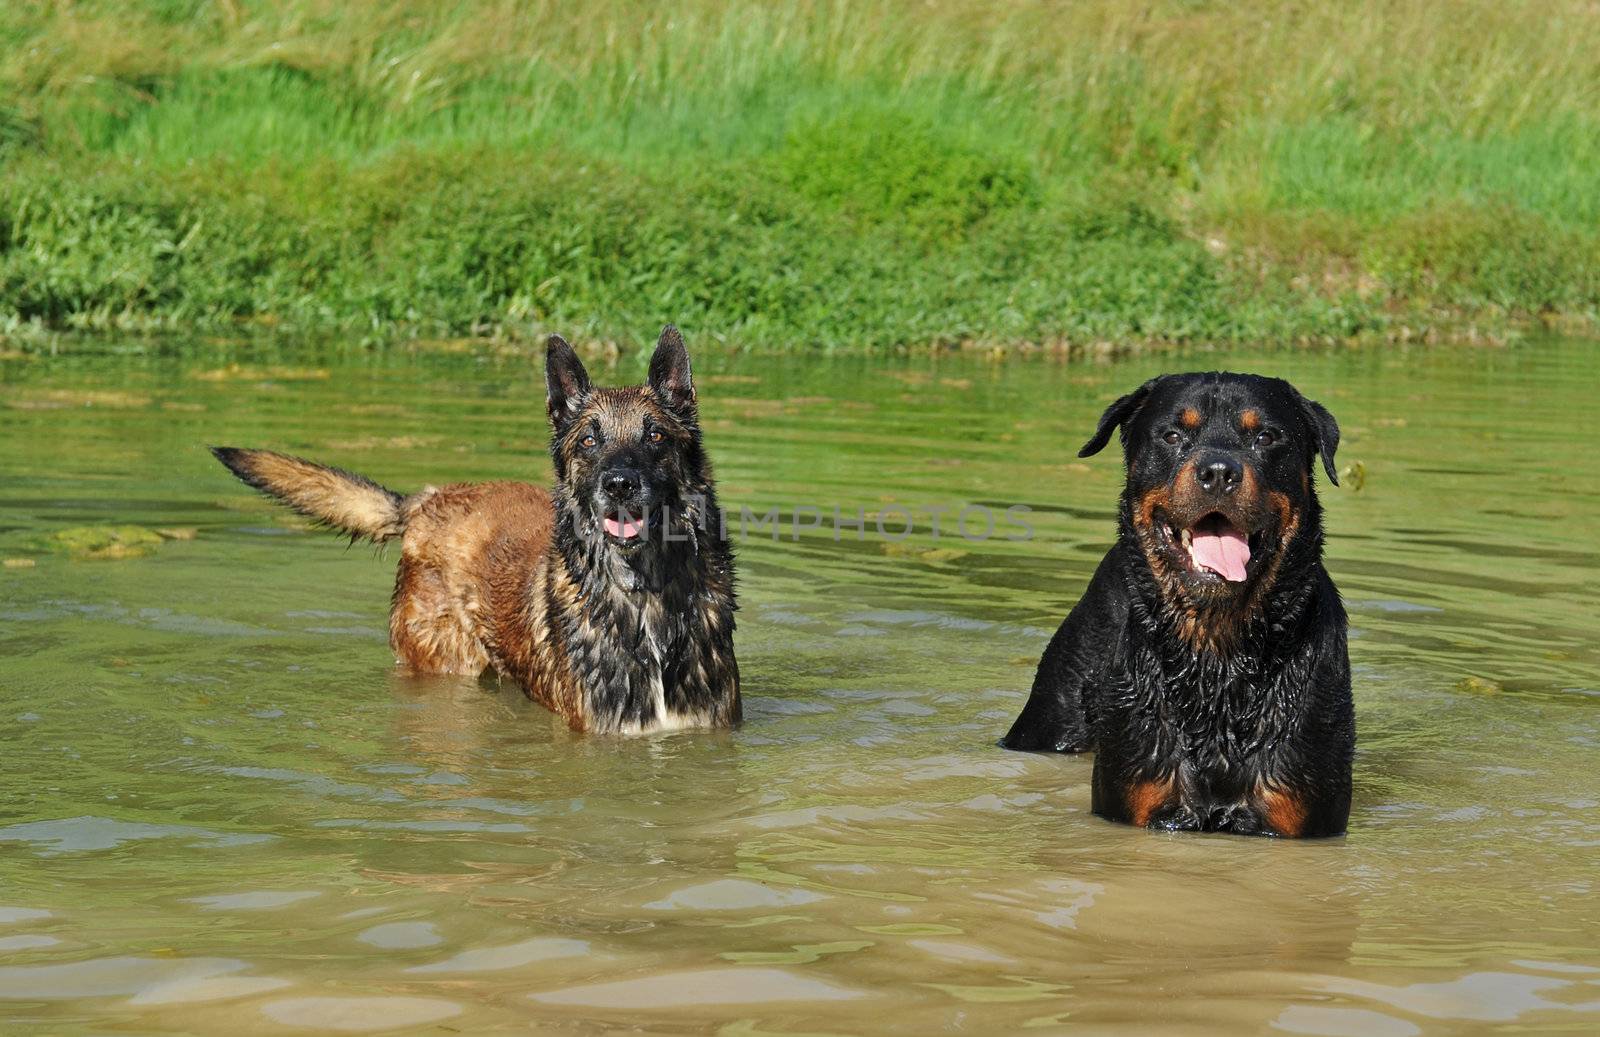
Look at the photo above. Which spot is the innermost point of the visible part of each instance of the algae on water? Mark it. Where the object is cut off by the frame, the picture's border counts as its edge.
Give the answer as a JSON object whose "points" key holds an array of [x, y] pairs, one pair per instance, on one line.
{"points": [[105, 541]]}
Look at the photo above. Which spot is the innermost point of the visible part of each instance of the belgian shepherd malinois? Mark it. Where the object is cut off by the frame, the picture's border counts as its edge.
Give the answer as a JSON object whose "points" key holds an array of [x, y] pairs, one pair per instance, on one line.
{"points": [[610, 599]]}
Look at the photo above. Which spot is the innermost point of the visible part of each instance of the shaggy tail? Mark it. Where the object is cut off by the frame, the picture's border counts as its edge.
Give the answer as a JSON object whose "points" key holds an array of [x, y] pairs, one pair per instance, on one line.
{"points": [[350, 503]]}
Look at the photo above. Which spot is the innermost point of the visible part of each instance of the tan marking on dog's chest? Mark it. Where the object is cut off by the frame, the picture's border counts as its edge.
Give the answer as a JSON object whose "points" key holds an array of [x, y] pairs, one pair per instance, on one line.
{"points": [[1284, 811], [1146, 797]]}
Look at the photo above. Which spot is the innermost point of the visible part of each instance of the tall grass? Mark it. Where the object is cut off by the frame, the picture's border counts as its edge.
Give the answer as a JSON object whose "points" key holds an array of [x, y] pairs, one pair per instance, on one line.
{"points": [[867, 173]]}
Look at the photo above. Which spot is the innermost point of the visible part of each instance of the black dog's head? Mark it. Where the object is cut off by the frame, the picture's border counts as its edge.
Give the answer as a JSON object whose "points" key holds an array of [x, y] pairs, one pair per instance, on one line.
{"points": [[1219, 482], [625, 459]]}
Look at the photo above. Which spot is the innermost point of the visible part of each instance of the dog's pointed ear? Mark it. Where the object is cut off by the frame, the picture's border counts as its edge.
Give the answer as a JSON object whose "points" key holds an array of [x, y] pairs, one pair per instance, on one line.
{"points": [[669, 371], [1119, 413], [1326, 433], [566, 382]]}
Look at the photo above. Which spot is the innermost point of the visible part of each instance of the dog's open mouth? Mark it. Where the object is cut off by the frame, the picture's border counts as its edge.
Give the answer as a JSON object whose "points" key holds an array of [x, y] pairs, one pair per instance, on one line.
{"points": [[624, 528], [1215, 546]]}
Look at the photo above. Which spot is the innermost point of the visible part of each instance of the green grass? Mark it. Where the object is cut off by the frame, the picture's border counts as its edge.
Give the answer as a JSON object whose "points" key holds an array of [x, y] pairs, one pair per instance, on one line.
{"points": [[813, 175]]}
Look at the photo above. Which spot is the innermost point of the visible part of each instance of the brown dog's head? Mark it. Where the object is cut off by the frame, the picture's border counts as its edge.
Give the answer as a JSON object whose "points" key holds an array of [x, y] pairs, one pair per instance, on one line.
{"points": [[1219, 482], [627, 461]]}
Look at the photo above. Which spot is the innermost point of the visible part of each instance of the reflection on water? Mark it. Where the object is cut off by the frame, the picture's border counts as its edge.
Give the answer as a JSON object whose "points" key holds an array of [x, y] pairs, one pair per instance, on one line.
{"points": [[226, 811]]}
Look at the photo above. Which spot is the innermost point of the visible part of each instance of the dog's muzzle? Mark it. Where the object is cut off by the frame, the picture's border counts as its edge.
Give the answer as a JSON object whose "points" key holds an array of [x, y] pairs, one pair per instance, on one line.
{"points": [[623, 504]]}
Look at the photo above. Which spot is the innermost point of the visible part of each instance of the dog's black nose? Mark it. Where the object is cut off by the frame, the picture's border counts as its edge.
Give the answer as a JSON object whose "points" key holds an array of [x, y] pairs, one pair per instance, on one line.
{"points": [[1219, 474], [621, 484]]}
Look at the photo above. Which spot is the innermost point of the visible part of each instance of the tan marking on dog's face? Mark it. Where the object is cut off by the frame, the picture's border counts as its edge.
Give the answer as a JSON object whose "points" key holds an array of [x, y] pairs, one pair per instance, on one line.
{"points": [[1208, 626], [1288, 517], [1190, 418], [1145, 507], [1250, 420], [1187, 502], [1151, 542], [1144, 525]]}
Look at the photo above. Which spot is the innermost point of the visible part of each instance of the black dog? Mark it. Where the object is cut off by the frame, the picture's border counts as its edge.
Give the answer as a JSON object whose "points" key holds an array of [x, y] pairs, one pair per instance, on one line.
{"points": [[1206, 664]]}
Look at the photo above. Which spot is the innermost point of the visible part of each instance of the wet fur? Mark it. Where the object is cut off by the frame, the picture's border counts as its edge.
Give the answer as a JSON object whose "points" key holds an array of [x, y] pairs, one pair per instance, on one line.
{"points": [[1226, 711], [510, 577]]}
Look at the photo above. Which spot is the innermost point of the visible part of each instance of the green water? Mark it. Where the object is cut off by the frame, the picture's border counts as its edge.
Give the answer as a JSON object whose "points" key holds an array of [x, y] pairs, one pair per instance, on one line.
{"points": [[225, 812]]}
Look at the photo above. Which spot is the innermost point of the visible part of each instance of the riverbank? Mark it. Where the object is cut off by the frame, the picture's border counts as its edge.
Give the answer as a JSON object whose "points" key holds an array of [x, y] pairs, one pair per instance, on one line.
{"points": [[821, 177]]}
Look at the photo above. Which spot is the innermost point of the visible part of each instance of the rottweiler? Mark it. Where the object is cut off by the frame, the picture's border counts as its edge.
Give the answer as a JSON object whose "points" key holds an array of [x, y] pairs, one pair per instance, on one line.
{"points": [[1206, 665], [609, 599]]}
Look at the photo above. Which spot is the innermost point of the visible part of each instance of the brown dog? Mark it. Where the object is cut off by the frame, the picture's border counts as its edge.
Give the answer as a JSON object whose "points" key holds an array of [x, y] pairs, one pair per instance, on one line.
{"points": [[611, 600]]}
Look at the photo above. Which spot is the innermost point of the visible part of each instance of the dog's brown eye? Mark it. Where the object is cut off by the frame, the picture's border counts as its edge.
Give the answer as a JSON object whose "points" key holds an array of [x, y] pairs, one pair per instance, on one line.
{"points": [[1265, 439], [654, 435], [1172, 438], [588, 442]]}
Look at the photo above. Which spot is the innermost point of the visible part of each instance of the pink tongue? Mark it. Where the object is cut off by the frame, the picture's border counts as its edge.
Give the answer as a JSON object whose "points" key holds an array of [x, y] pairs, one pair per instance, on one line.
{"points": [[626, 528], [1223, 553]]}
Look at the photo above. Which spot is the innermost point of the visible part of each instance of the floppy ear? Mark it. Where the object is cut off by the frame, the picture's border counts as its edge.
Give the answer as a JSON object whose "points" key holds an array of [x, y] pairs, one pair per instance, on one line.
{"points": [[566, 382], [669, 371], [1326, 432], [1117, 414]]}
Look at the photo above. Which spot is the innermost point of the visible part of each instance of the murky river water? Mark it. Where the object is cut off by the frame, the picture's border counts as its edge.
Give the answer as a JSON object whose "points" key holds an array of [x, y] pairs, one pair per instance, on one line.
{"points": [[224, 812]]}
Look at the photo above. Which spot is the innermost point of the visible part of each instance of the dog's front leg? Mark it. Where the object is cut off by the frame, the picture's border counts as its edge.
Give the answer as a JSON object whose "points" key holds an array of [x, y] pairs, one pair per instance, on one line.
{"points": [[1056, 717], [1059, 716], [1051, 722]]}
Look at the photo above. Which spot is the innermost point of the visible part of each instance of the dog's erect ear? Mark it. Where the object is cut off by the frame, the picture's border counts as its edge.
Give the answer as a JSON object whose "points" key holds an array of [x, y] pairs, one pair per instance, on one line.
{"points": [[566, 382], [1326, 432], [1119, 413], [669, 371]]}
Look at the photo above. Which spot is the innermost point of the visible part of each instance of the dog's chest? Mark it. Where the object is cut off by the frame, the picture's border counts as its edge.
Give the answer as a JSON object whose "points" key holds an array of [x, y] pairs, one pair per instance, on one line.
{"points": [[634, 648], [1217, 718]]}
